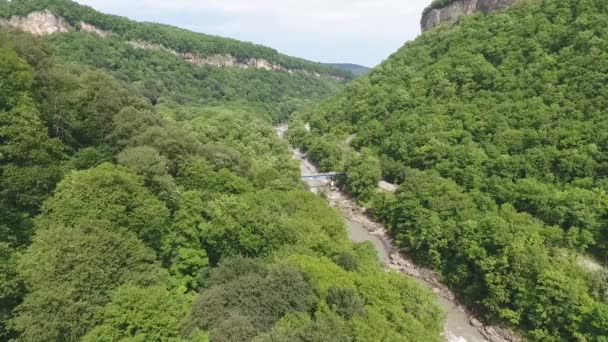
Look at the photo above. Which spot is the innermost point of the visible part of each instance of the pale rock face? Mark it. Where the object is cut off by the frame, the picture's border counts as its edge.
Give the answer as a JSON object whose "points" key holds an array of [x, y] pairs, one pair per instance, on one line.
{"points": [[450, 13], [92, 29], [45, 23], [221, 61], [39, 23]]}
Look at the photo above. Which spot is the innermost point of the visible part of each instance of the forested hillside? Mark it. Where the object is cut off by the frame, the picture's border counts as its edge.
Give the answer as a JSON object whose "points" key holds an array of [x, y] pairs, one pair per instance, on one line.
{"points": [[135, 213], [172, 65], [496, 130], [354, 68]]}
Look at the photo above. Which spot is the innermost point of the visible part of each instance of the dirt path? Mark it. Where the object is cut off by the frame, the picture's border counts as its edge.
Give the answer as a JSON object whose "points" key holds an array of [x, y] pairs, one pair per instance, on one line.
{"points": [[460, 326]]}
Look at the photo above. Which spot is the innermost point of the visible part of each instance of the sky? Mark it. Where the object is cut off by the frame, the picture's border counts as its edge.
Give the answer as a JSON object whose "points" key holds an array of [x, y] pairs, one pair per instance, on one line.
{"points": [[363, 32]]}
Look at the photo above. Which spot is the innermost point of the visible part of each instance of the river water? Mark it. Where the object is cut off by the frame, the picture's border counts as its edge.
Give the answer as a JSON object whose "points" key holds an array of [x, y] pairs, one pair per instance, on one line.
{"points": [[458, 326]]}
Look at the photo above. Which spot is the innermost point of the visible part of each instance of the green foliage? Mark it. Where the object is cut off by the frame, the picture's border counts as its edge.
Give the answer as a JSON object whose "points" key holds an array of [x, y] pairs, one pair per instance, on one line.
{"points": [[168, 36], [494, 129], [86, 261], [130, 122], [370, 305], [80, 104], [11, 290], [161, 75], [147, 162], [363, 172], [128, 175], [4, 8], [16, 79], [141, 314], [254, 298], [173, 141], [297, 327], [259, 223], [187, 255], [109, 193], [346, 302], [348, 261], [436, 4]]}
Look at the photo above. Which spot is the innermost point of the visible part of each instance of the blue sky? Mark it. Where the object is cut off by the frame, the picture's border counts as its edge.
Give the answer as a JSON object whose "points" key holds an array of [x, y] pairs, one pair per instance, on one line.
{"points": [[355, 31]]}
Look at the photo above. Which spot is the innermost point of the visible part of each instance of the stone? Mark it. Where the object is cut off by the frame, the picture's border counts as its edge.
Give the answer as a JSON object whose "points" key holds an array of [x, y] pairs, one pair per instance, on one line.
{"points": [[39, 23], [457, 8], [92, 29], [476, 323]]}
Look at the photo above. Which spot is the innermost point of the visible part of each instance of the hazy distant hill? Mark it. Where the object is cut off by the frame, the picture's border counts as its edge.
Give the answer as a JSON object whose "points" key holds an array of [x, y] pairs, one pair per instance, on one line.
{"points": [[354, 68]]}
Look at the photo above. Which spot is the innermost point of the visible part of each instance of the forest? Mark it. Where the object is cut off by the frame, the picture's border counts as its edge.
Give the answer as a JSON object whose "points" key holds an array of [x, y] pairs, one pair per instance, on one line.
{"points": [[495, 129], [164, 77], [171, 37], [128, 213]]}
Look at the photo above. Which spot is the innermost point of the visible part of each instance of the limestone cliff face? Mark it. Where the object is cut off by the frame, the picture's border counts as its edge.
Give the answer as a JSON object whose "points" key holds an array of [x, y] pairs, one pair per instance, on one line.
{"points": [[458, 8], [39, 23], [92, 29], [46, 23], [220, 61]]}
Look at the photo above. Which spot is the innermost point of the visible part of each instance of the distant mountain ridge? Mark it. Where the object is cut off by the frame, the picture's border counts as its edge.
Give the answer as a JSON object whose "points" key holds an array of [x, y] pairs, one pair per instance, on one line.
{"points": [[170, 65], [43, 17], [356, 69]]}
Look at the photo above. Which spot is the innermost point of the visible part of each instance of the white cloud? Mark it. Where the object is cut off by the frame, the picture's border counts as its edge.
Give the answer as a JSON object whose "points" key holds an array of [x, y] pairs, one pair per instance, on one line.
{"points": [[359, 31]]}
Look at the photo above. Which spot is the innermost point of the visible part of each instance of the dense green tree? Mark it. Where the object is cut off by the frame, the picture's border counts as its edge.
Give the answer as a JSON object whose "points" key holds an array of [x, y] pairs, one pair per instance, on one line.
{"points": [[109, 193], [256, 298], [117, 252], [363, 172], [16, 79], [176, 143], [346, 302], [493, 128], [147, 162], [11, 290], [86, 261], [200, 175], [141, 314], [131, 122], [187, 256]]}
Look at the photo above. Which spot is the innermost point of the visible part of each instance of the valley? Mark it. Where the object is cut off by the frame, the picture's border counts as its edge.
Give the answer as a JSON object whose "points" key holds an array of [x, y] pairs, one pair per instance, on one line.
{"points": [[460, 326], [152, 189]]}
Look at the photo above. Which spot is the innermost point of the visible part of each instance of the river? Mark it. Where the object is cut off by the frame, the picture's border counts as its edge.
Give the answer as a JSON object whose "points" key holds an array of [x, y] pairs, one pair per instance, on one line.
{"points": [[460, 326]]}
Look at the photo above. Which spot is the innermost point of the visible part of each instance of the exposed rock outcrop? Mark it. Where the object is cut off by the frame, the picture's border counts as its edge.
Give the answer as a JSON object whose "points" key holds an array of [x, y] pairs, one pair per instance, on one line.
{"points": [[92, 29], [46, 23], [458, 8], [218, 60], [39, 23]]}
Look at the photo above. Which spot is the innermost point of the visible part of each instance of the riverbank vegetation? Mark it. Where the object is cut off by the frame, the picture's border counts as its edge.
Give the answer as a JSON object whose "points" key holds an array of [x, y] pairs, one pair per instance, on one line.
{"points": [[495, 129], [128, 219]]}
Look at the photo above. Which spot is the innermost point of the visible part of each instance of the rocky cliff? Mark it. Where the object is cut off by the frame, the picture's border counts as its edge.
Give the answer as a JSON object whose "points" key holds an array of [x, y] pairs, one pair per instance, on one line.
{"points": [[221, 61], [39, 23], [436, 14], [46, 23]]}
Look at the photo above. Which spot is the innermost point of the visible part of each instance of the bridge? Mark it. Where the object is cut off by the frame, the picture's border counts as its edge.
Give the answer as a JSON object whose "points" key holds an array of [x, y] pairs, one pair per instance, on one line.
{"points": [[330, 175]]}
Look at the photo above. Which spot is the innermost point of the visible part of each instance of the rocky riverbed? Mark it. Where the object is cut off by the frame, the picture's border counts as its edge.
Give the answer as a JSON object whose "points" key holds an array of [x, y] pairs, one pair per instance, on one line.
{"points": [[460, 325]]}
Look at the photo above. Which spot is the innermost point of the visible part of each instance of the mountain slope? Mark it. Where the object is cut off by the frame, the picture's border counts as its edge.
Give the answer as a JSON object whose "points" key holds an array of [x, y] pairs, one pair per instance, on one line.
{"points": [[175, 65], [495, 129], [145, 197], [354, 68], [448, 11]]}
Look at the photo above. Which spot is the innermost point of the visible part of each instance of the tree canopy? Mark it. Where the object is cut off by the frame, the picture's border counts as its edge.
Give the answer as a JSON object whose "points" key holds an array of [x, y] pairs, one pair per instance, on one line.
{"points": [[494, 128], [146, 199]]}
